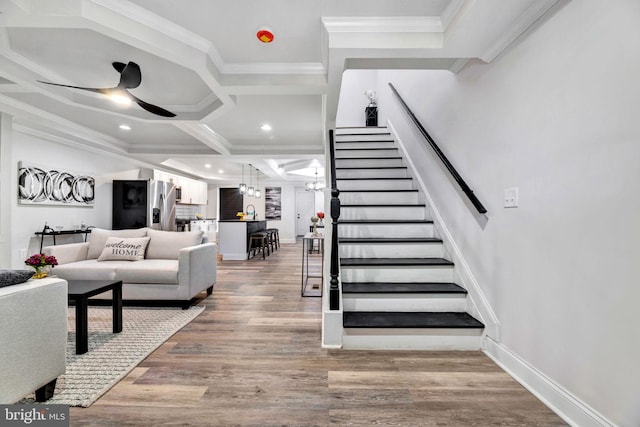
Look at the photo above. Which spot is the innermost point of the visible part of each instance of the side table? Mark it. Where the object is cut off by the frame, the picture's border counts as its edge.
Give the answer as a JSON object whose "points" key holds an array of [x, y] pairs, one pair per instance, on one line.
{"points": [[308, 242]]}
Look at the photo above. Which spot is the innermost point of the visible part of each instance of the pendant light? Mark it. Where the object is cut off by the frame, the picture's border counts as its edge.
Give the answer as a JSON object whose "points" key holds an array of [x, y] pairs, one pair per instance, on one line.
{"points": [[258, 191], [250, 190], [314, 186], [243, 186]]}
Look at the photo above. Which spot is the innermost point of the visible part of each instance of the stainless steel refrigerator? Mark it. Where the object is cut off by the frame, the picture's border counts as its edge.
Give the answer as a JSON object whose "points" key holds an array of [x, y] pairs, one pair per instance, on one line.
{"points": [[141, 203]]}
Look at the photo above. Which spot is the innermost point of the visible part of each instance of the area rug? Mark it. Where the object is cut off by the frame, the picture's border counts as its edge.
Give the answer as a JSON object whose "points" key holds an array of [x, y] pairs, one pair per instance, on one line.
{"points": [[112, 356]]}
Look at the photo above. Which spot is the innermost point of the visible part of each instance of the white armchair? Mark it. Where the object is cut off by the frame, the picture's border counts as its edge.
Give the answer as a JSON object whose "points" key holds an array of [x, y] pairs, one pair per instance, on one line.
{"points": [[33, 338]]}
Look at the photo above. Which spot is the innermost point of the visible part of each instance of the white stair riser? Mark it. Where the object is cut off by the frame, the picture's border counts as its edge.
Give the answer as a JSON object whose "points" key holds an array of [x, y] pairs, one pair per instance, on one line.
{"points": [[405, 302], [342, 132], [400, 213], [386, 230], [411, 339], [340, 154], [372, 173], [340, 139], [371, 198], [366, 144], [397, 274], [375, 184], [392, 250], [368, 163]]}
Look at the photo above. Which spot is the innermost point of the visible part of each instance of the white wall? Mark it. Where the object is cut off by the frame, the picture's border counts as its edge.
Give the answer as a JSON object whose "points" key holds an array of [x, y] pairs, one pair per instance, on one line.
{"points": [[351, 105], [27, 219], [556, 115]]}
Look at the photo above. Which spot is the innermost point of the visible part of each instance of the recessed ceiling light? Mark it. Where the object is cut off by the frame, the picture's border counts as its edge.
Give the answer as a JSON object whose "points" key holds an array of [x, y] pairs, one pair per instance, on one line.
{"points": [[220, 171], [125, 127], [207, 165], [265, 127]]}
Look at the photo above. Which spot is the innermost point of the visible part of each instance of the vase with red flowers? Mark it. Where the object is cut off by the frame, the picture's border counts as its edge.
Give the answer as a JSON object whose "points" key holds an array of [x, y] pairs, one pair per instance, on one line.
{"points": [[42, 264]]}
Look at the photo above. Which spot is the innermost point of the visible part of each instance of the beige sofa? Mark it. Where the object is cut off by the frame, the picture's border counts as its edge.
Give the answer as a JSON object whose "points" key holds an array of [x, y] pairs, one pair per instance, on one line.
{"points": [[33, 337], [176, 266]]}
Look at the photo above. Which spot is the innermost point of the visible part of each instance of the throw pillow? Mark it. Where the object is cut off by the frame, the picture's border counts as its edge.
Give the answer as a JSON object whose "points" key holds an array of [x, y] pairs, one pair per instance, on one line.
{"points": [[123, 249], [99, 236], [14, 277], [167, 244]]}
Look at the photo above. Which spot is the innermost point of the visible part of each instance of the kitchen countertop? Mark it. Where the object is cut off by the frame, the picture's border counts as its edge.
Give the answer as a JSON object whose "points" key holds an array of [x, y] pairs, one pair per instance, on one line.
{"points": [[237, 220]]}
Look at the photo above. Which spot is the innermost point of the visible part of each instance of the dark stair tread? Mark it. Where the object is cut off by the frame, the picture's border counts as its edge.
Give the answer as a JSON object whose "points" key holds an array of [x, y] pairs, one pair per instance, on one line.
{"points": [[367, 148], [385, 221], [379, 191], [405, 262], [366, 141], [369, 158], [372, 178], [359, 127], [401, 288], [381, 319], [404, 205], [371, 240], [373, 167]]}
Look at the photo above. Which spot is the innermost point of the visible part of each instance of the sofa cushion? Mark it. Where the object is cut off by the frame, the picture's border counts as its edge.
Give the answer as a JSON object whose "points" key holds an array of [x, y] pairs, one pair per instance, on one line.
{"points": [[167, 244], [124, 249], [161, 271], [90, 269], [14, 277], [99, 237]]}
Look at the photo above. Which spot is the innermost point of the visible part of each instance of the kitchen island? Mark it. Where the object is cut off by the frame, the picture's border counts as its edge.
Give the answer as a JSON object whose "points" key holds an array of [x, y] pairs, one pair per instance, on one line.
{"points": [[233, 237]]}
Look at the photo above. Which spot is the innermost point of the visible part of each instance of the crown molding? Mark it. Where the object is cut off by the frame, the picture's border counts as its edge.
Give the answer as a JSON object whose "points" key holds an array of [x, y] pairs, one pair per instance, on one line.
{"points": [[206, 135], [524, 21], [151, 20], [304, 68], [54, 122], [383, 24], [451, 11]]}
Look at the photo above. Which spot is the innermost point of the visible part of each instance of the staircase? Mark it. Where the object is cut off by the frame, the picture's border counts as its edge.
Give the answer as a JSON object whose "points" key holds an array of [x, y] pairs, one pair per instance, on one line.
{"points": [[398, 287]]}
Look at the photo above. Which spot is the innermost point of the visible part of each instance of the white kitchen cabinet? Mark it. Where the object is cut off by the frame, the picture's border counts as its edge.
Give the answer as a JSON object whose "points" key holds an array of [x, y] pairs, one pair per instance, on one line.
{"points": [[193, 192]]}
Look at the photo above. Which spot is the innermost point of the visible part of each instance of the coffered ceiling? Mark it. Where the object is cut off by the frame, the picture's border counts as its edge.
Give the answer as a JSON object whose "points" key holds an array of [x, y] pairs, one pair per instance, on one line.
{"points": [[201, 59]]}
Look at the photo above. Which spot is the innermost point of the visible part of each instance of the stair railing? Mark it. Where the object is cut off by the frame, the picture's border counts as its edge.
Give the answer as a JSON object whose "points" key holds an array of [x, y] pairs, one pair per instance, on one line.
{"points": [[463, 185], [334, 282]]}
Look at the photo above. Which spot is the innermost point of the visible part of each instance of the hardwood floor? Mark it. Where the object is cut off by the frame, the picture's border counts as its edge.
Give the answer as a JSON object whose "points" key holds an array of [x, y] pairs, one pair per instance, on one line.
{"points": [[253, 357]]}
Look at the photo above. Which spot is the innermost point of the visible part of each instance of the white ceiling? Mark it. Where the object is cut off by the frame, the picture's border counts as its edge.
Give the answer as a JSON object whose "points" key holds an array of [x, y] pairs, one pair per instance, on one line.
{"points": [[201, 60]]}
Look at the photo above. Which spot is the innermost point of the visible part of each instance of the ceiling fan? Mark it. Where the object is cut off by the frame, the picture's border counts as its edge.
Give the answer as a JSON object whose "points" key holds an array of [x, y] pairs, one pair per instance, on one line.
{"points": [[130, 78]]}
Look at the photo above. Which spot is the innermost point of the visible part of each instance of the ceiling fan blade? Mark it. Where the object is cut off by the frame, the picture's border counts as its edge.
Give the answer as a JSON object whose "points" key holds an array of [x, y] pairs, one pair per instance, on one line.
{"points": [[104, 91], [119, 66], [152, 108], [130, 76]]}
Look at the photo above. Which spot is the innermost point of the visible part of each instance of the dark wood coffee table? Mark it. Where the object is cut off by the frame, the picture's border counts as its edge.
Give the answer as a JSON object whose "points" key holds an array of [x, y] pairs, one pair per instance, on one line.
{"points": [[79, 292]]}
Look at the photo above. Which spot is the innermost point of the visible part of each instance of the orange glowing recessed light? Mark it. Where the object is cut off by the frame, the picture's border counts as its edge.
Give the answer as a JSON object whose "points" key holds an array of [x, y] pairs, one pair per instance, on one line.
{"points": [[265, 35]]}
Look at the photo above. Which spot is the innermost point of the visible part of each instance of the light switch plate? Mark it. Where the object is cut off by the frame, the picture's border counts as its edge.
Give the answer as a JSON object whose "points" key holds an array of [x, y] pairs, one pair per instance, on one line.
{"points": [[511, 197]]}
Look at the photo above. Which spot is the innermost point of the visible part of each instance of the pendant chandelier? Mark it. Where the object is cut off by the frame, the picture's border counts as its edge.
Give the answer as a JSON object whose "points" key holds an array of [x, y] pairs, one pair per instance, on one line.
{"points": [[258, 191], [314, 186], [250, 190], [243, 186]]}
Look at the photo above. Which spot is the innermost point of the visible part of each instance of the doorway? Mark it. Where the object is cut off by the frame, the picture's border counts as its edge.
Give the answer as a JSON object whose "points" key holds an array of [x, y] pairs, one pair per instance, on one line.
{"points": [[305, 209]]}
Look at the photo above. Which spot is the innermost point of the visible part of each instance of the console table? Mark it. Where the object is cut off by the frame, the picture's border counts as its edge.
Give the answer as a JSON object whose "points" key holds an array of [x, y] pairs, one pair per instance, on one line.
{"points": [[54, 233], [317, 272]]}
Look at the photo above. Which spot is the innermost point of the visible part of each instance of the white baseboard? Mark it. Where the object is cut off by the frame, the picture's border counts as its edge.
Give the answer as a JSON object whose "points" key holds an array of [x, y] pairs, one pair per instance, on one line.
{"points": [[562, 402]]}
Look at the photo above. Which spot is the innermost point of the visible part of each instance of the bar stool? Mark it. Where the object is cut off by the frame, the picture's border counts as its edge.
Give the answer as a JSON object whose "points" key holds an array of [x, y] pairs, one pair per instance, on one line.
{"points": [[258, 241], [274, 238]]}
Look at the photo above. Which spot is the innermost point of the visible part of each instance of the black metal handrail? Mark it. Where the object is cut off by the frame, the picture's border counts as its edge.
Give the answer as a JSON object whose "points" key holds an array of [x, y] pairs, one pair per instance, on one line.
{"points": [[463, 185], [334, 283]]}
